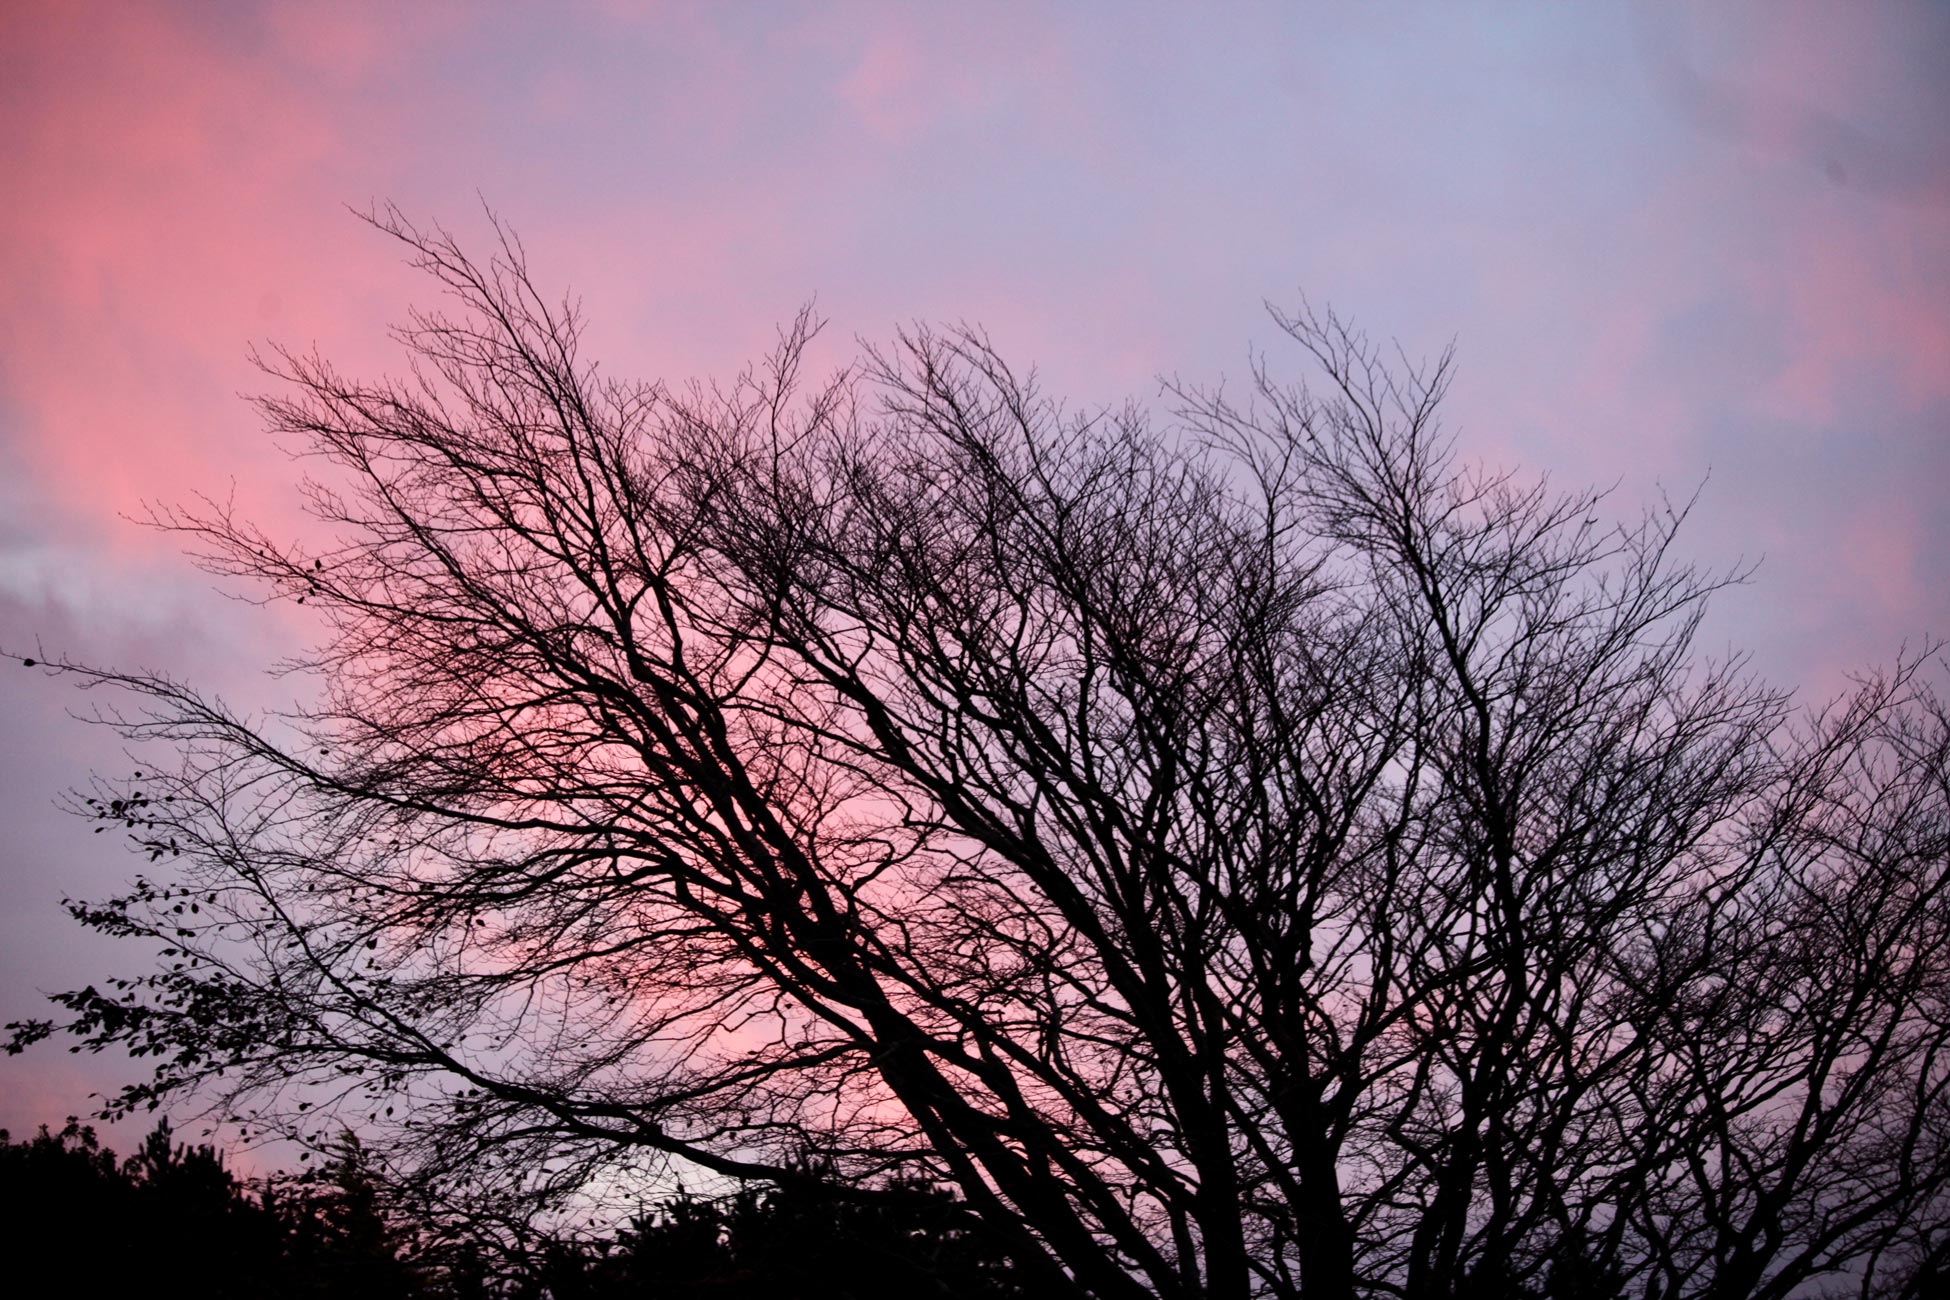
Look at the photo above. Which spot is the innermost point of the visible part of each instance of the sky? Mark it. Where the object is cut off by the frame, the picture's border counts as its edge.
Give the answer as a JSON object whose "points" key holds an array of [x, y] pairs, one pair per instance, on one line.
{"points": [[1675, 248]]}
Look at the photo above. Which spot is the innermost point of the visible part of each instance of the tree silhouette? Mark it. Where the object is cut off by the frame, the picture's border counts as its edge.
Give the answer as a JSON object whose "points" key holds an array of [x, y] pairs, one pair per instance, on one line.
{"points": [[172, 1220], [1257, 856], [901, 1239], [340, 1234]]}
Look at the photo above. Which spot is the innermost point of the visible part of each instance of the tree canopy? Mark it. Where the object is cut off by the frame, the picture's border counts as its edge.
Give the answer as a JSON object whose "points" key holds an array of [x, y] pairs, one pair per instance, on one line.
{"points": [[171, 1220], [1248, 851]]}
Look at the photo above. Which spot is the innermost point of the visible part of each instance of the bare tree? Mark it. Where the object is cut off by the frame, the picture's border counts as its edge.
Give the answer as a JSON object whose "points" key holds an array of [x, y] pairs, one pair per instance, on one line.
{"points": [[1262, 856]]}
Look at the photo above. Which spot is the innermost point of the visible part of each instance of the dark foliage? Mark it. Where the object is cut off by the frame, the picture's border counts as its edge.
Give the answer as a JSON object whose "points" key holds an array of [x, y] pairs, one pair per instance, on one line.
{"points": [[172, 1220], [904, 1239]]}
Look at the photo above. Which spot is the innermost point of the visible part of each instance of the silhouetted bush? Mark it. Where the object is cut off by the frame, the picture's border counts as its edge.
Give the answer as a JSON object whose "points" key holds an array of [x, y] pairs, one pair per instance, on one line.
{"points": [[907, 1239], [172, 1220]]}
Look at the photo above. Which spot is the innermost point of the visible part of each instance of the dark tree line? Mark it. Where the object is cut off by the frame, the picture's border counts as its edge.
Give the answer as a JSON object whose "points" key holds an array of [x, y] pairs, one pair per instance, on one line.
{"points": [[1258, 854], [172, 1220]]}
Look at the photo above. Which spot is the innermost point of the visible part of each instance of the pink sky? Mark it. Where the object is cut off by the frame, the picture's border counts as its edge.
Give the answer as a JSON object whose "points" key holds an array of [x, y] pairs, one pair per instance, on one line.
{"points": [[1672, 244]]}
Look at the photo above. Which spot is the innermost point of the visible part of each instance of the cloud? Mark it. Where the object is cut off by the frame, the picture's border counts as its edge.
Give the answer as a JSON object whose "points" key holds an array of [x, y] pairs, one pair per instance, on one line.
{"points": [[1760, 111], [1723, 250]]}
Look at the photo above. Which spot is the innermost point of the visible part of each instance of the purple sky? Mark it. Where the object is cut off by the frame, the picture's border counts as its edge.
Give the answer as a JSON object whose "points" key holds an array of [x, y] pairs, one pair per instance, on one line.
{"points": [[1669, 243]]}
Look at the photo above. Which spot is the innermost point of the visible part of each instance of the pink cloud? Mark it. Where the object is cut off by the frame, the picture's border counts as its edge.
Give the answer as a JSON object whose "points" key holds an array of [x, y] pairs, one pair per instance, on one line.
{"points": [[905, 77], [170, 200], [1883, 547], [356, 42], [887, 87], [1848, 292]]}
